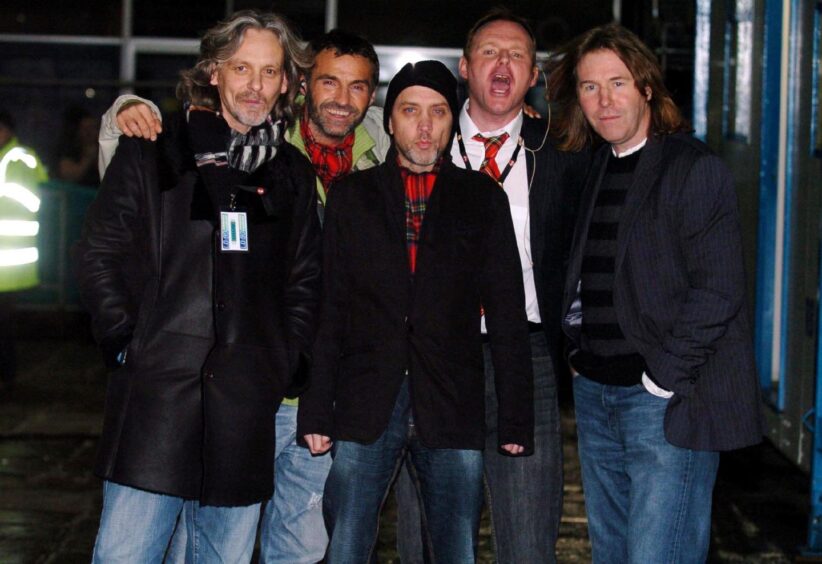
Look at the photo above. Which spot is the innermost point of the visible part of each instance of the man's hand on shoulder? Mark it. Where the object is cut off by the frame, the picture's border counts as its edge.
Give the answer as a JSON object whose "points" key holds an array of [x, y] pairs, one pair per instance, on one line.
{"points": [[136, 119], [318, 444]]}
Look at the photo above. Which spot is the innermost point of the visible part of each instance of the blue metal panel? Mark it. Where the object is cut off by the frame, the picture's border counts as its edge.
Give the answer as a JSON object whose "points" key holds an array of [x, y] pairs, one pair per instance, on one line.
{"points": [[769, 155], [815, 518], [726, 75]]}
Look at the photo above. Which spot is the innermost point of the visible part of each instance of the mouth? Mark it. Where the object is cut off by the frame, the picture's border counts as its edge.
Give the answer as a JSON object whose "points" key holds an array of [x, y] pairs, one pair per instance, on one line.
{"points": [[339, 112], [425, 143], [500, 84]]}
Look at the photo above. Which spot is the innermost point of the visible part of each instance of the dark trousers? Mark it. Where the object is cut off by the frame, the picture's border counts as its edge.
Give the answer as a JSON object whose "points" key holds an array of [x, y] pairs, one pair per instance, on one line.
{"points": [[524, 494]]}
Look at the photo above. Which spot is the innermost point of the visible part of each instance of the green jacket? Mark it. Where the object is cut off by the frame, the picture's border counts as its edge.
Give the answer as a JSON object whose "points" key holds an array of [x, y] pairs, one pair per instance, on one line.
{"points": [[371, 143]]}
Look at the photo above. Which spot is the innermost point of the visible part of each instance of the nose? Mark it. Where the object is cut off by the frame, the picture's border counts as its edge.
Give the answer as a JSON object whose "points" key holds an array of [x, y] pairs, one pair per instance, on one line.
{"points": [[425, 123], [605, 97], [504, 56], [256, 82], [342, 96]]}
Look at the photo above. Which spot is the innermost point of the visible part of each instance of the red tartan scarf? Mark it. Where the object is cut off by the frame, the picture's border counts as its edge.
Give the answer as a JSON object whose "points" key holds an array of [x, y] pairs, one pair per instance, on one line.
{"points": [[330, 162], [418, 187]]}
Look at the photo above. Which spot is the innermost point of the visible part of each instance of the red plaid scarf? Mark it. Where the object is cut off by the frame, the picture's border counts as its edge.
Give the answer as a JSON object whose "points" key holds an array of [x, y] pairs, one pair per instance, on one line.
{"points": [[418, 188], [492, 147], [330, 163]]}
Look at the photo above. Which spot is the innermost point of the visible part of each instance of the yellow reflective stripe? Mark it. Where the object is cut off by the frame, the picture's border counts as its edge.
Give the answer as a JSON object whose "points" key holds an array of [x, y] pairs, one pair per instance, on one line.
{"points": [[21, 195], [16, 154], [18, 228], [16, 257]]}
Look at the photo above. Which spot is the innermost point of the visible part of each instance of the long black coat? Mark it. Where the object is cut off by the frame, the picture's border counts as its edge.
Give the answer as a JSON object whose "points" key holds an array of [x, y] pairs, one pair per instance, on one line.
{"points": [[556, 179], [679, 290], [213, 338], [379, 324]]}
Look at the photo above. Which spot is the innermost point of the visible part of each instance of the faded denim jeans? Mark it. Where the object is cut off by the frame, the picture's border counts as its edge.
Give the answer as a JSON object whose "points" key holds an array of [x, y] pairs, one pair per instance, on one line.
{"points": [[646, 499]]}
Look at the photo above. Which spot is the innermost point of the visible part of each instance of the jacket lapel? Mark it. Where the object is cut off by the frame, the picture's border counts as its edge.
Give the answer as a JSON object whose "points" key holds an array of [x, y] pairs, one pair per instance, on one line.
{"points": [[539, 170], [647, 171], [589, 196]]}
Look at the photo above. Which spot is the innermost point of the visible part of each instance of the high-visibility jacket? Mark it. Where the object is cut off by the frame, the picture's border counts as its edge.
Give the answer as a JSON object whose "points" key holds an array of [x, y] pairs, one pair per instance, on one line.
{"points": [[20, 174]]}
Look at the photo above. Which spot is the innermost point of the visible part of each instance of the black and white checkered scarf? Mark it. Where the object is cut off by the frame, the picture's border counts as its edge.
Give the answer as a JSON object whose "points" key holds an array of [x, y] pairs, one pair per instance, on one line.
{"points": [[245, 151]]}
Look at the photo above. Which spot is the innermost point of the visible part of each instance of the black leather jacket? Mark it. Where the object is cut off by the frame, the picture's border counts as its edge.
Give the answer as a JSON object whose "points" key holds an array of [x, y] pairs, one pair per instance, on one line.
{"points": [[213, 338]]}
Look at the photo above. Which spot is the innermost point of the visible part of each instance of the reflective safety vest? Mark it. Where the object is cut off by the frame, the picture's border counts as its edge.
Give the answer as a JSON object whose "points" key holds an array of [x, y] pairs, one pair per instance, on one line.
{"points": [[20, 173]]}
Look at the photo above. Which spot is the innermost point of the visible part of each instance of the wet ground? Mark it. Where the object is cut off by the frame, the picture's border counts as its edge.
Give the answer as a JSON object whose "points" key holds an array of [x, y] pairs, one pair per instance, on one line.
{"points": [[50, 503]]}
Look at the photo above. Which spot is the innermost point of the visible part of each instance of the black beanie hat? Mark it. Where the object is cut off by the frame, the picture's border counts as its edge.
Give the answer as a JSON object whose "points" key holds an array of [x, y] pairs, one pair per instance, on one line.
{"points": [[431, 74]]}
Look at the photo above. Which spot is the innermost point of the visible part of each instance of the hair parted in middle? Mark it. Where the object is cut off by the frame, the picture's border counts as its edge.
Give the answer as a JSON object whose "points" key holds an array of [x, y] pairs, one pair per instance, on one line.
{"points": [[221, 42], [574, 130]]}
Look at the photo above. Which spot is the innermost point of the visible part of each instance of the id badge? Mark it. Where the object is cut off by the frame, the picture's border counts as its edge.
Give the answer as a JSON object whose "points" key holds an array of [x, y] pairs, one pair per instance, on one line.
{"points": [[233, 231]]}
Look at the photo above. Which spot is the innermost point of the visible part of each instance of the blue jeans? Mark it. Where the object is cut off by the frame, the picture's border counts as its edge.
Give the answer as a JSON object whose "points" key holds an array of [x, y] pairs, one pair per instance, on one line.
{"points": [[524, 494], [646, 499], [136, 527], [450, 485], [292, 530]]}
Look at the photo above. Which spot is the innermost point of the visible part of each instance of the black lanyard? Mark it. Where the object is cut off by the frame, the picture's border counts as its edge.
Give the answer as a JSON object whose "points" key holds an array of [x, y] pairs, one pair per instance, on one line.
{"points": [[511, 162]]}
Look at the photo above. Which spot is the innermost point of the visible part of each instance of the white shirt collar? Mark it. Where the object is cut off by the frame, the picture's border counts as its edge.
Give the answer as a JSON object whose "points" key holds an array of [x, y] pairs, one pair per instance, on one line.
{"points": [[630, 151], [469, 128]]}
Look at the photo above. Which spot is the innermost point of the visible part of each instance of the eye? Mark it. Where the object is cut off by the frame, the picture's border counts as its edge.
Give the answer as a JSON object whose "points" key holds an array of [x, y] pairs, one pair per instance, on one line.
{"points": [[270, 72], [439, 111], [489, 51], [619, 83], [358, 88], [240, 68], [516, 55], [328, 82]]}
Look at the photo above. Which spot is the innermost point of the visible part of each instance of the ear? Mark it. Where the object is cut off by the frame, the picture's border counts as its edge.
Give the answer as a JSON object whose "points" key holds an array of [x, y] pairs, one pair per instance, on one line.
{"points": [[213, 81], [648, 93], [534, 75], [464, 67], [373, 97], [284, 85], [390, 126]]}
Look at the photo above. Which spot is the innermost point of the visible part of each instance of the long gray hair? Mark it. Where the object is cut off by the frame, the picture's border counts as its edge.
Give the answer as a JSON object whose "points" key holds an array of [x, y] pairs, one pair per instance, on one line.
{"points": [[222, 41]]}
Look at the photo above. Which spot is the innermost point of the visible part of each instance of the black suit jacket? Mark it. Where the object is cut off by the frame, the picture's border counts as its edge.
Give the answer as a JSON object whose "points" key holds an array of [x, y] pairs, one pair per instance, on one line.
{"points": [[679, 290], [555, 179], [379, 323]]}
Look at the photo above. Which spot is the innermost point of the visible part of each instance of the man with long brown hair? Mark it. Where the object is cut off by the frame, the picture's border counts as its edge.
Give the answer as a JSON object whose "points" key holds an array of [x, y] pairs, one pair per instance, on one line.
{"points": [[654, 307]]}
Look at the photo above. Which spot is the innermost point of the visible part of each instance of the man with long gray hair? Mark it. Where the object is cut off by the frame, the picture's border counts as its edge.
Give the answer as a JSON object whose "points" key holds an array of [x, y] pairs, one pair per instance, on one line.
{"points": [[199, 263]]}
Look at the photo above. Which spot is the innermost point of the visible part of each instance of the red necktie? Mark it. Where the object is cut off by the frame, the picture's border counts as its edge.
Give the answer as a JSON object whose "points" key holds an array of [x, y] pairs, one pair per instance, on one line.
{"points": [[492, 147]]}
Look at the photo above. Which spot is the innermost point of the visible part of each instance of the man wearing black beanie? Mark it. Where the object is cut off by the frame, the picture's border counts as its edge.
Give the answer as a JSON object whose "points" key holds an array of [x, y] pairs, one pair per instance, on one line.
{"points": [[414, 249]]}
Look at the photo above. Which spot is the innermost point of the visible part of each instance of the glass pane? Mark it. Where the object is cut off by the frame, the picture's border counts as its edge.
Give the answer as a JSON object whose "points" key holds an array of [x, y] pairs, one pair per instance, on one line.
{"points": [[744, 64], [86, 17], [307, 15], [444, 24], [176, 19], [43, 81], [702, 68], [157, 76], [817, 84]]}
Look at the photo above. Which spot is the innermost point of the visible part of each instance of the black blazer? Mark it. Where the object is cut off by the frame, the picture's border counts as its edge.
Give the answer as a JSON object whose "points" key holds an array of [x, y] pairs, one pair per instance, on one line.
{"points": [[679, 290], [555, 179], [379, 323]]}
